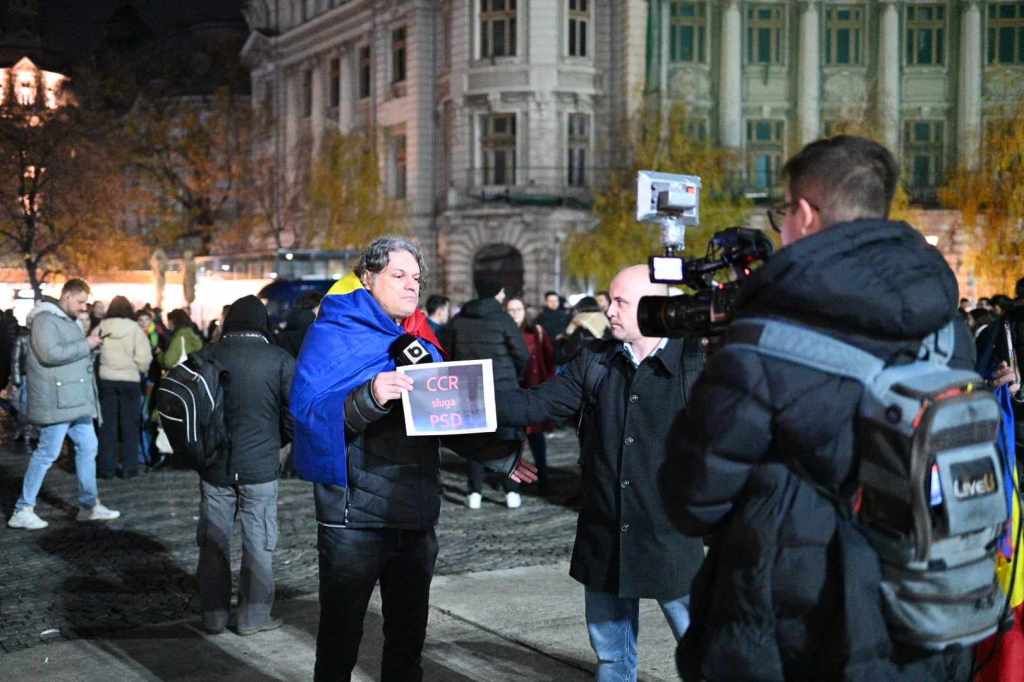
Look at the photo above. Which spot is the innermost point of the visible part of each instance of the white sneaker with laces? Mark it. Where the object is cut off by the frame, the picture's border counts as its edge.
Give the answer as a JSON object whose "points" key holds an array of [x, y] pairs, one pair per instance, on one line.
{"points": [[513, 500], [26, 518], [473, 500], [97, 513]]}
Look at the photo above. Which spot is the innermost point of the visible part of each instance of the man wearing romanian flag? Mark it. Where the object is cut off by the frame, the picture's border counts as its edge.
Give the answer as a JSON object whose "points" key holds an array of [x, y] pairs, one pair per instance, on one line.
{"points": [[376, 488]]}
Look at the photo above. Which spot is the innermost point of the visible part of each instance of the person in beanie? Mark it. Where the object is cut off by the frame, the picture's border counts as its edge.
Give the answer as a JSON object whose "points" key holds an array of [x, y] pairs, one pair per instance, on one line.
{"points": [[243, 481], [481, 330]]}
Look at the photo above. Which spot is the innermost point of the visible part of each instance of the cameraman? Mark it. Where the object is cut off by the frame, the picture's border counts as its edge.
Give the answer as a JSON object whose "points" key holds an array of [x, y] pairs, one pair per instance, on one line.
{"points": [[631, 393], [768, 600]]}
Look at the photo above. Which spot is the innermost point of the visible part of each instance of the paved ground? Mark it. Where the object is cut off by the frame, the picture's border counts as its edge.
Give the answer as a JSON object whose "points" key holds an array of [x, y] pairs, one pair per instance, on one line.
{"points": [[74, 581]]}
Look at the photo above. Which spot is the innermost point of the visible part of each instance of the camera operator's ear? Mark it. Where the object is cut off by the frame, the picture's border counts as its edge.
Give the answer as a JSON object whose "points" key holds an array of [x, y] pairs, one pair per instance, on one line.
{"points": [[808, 218]]}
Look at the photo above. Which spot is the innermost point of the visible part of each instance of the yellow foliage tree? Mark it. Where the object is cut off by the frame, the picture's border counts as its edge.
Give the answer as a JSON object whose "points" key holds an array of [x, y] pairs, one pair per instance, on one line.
{"points": [[652, 141], [61, 192], [190, 155], [991, 199], [348, 204]]}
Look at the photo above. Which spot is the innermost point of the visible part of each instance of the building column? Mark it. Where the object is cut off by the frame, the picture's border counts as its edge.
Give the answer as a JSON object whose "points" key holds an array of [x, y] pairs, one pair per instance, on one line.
{"points": [[889, 75], [969, 106], [291, 116], [347, 100], [730, 105], [809, 102], [317, 113]]}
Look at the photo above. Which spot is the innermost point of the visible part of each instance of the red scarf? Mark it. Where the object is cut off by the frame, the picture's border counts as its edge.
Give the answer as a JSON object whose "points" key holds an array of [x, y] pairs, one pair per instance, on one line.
{"points": [[418, 325]]}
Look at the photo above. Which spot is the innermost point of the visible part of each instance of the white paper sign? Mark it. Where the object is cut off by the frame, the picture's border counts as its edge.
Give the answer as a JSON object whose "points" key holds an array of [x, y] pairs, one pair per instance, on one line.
{"points": [[450, 398]]}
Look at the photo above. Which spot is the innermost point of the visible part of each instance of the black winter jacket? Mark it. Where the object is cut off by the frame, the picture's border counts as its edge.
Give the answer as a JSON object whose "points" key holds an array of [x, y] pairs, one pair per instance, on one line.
{"points": [[767, 603], [482, 329], [392, 478], [631, 419], [257, 415]]}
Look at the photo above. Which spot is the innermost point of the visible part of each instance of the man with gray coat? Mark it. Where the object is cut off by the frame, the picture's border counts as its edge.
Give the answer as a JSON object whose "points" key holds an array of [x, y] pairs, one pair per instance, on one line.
{"points": [[62, 401]]}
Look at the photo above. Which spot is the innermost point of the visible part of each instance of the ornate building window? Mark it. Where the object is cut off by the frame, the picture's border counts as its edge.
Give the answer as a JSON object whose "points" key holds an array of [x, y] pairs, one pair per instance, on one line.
{"points": [[497, 28], [844, 34], [687, 31], [498, 144], [307, 93], [578, 146], [398, 55], [365, 72], [926, 35], [765, 149], [765, 28], [1006, 33], [922, 154], [334, 90], [579, 20], [400, 166]]}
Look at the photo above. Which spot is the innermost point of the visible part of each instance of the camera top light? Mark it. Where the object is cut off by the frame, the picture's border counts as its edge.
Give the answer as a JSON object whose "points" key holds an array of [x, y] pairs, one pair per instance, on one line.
{"points": [[668, 269]]}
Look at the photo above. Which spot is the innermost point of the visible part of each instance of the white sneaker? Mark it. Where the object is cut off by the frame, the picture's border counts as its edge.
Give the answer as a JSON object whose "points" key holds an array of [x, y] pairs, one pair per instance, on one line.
{"points": [[26, 518], [473, 500], [97, 513], [513, 500]]}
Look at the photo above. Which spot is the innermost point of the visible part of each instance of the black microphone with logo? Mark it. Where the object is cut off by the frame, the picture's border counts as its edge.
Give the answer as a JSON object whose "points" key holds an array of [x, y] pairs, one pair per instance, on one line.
{"points": [[407, 350]]}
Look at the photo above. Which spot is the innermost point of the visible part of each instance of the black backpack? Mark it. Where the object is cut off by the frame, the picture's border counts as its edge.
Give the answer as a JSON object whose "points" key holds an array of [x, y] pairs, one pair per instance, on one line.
{"points": [[190, 402]]}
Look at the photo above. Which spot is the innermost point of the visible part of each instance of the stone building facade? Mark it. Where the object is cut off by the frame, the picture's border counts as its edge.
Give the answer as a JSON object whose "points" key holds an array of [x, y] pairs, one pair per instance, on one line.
{"points": [[497, 116], [489, 114]]}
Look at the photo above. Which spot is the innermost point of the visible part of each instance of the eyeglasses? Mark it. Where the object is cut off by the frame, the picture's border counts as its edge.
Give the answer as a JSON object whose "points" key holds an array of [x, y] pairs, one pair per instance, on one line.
{"points": [[777, 212]]}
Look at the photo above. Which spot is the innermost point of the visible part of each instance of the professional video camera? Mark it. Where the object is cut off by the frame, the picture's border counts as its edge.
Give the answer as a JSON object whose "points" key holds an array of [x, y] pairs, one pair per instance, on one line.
{"points": [[674, 202]]}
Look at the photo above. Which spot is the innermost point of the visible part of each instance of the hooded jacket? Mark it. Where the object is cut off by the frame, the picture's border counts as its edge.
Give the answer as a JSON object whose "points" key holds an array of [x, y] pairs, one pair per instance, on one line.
{"points": [[768, 602], [125, 353], [61, 384], [183, 342]]}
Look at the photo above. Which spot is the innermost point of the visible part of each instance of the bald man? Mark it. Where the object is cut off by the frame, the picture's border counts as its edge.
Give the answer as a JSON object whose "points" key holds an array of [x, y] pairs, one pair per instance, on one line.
{"points": [[631, 395]]}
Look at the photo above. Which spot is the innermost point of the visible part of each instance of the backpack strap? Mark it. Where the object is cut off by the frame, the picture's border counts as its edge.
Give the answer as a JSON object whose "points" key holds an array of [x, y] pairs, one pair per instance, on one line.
{"points": [[795, 343]]}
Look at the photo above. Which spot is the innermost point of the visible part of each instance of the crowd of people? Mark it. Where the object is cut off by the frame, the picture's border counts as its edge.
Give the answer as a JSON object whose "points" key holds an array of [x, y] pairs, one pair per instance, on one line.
{"points": [[718, 485]]}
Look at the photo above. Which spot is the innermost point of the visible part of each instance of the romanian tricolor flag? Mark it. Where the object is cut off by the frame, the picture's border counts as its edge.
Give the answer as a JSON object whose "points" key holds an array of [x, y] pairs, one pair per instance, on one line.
{"points": [[346, 347], [1001, 657]]}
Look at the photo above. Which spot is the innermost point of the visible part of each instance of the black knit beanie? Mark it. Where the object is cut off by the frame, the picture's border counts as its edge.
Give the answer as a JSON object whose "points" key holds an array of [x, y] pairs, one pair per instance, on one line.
{"points": [[248, 314]]}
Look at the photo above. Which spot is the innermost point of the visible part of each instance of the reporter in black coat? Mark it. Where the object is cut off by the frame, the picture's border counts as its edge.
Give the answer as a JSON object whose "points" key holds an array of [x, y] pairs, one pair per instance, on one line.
{"points": [[632, 394]]}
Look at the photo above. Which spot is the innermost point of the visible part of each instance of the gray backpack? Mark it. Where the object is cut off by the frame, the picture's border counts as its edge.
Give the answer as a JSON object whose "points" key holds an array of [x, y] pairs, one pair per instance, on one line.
{"points": [[931, 499]]}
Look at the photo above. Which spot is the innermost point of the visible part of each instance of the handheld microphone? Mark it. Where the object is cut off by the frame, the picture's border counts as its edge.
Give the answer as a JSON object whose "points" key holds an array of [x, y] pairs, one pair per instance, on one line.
{"points": [[407, 350]]}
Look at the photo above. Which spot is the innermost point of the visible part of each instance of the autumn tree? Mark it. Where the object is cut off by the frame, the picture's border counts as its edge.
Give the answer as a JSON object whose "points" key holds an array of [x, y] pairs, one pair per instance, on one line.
{"points": [[189, 157], [348, 201], [278, 193], [991, 199], [653, 140], [60, 188]]}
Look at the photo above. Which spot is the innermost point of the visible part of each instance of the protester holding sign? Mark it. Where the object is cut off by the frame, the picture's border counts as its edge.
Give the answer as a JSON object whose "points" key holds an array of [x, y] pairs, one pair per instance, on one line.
{"points": [[376, 487]]}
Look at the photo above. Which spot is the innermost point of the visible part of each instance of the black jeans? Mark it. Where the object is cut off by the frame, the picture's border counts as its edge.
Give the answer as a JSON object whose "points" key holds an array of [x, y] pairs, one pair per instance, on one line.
{"points": [[120, 431], [351, 562]]}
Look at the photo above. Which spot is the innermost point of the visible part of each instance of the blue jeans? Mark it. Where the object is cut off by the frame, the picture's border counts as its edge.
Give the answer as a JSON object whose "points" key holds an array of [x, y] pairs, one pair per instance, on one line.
{"points": [[614, 623], [51, 437]]}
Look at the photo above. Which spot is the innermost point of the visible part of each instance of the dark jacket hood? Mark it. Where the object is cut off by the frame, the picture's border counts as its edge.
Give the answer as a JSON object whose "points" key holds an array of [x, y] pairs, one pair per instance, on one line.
{"points": [[482, 307], [875, 278]]}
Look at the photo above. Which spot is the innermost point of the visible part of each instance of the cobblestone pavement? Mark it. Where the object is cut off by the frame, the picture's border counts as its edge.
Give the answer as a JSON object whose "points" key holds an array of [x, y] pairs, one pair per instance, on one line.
{"points": [[78, 580]]}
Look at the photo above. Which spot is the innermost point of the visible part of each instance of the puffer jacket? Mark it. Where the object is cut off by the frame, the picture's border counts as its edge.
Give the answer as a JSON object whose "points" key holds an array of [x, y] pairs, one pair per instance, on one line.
{"points": [[19, 356], [125, 353], [768, 602], [481, 330], [61, 384]]}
